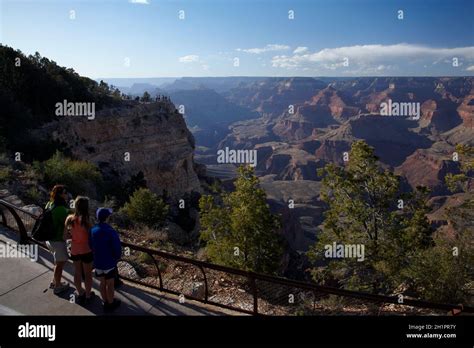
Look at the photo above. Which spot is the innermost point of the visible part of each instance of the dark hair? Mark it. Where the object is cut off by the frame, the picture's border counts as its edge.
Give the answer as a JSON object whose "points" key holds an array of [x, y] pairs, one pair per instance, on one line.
{"points": [[55, 195], [81, 205]]}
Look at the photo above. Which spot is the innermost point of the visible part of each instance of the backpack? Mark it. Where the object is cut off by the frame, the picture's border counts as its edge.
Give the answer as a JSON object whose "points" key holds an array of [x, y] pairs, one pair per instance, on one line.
{"points": [[43, 229]]}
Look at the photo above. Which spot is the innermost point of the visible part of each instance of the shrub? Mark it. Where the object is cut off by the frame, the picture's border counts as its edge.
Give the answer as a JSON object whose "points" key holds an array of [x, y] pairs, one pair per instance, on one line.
{"points": [[33, 195], [79, 176], [146, 208], [5, 174], [445, 272], [145, 258]]}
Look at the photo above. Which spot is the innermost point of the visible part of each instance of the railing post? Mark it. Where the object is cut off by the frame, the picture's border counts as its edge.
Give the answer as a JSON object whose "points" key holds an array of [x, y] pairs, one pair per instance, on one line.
{"points": [[158, 269], [314, 302], [21, 227], [4, 220], [255, 295], [206, 293]]}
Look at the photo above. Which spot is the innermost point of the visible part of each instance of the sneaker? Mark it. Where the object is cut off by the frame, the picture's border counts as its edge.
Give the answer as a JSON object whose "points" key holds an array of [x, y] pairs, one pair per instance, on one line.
{"points": [[52, 286], [60, 289], [81, 299], [89, 299], [114, 305], [110, 307]]}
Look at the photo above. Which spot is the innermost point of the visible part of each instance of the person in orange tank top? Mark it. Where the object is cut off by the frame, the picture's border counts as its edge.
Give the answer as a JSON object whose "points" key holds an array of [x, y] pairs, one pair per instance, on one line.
{"points": [[77, 228]]}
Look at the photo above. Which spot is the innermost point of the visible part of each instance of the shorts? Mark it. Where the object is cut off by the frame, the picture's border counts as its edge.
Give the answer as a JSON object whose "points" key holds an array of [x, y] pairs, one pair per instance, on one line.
{"points": [[108, 274], [85, 258], [59, 250]]}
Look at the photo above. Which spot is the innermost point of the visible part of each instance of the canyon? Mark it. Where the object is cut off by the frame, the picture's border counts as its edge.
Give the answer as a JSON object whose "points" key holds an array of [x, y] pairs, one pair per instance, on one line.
{"points": [[300, 124]]}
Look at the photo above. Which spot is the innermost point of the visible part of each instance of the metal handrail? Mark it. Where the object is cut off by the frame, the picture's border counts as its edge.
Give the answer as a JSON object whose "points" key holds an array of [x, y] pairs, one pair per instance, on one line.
{"points": [[21, 227], [251, 276]]}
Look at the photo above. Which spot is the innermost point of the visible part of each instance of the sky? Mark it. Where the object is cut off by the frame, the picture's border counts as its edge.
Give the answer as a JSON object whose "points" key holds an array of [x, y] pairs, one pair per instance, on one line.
{"points": [[172, 38]]}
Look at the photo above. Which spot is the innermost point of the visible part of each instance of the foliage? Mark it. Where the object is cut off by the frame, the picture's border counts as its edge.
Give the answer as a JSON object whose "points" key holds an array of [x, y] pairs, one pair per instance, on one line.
{"points": [[80, 177], [145, 207], [145, 258], [33, 195], [5, 174], [366, 208], [459, 182], [241, 232], [146, 97], [30, 86], [450, 264], [445, 272]]}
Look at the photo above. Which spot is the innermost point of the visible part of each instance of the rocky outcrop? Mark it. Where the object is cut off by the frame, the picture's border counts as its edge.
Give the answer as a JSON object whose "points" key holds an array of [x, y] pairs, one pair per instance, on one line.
{"points": [[427, 167], [151, 138], [287, 162], [272, 96], [247, 134], [324, 109], [330, 99], [466, 110], [440, 115]]}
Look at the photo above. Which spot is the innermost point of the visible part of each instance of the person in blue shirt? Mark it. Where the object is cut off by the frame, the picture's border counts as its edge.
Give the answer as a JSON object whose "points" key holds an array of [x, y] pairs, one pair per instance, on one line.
{"points": [[107, 250]]}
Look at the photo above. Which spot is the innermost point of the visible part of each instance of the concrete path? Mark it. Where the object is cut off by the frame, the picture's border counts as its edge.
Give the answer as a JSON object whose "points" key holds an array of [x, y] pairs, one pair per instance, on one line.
{"points": [[24, 290]]}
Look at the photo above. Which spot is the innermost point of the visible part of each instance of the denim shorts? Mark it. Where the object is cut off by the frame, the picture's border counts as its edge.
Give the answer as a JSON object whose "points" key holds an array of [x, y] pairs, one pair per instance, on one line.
{"points": [[108, 274]]}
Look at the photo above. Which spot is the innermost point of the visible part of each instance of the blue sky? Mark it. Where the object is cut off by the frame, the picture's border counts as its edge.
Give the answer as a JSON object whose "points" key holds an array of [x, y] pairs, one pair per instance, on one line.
{"points": [[120, 38]]}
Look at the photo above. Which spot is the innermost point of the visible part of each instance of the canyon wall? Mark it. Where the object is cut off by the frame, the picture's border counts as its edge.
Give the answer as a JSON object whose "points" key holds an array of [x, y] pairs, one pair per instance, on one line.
{"points": [[151, 138]]}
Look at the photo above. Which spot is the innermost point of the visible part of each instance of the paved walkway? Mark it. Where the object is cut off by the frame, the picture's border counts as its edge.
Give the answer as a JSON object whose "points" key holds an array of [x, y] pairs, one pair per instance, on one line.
{"points": [[24, 291]]}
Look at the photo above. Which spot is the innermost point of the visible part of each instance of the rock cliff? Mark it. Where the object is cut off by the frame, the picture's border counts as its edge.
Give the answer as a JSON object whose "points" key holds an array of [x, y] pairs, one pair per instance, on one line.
{"points": [[151, 138]]}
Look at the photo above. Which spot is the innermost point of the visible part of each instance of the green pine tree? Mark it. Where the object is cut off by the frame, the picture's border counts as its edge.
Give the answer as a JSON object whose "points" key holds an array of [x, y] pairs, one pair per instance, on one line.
{"points": [[460, 182], [146, 97], [145, 207], [366, 208], [445, 272], [241, 232]]}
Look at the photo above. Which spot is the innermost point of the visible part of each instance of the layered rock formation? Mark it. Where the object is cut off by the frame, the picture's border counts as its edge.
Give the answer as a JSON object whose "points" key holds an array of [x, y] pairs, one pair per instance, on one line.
{"points": [[151, 138], [305, 123], [428, 167], [329, 114], [273, 95]]}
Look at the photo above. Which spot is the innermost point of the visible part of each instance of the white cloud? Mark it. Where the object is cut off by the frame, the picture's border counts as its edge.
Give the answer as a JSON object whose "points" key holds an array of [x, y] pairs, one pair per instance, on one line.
{"points": [[379, 57], [205, 67], [189, 59], [470, 68], [300, 49], [267, 48], [141, 2]]}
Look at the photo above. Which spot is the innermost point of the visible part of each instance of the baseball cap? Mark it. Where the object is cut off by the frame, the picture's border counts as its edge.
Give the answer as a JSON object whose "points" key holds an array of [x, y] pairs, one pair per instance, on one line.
{"points": [[103, 213]]}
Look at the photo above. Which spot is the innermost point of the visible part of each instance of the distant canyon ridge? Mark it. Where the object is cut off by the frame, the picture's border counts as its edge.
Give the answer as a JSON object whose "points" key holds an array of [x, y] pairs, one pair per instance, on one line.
{"points": [[300, 124]]}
